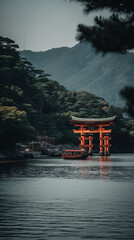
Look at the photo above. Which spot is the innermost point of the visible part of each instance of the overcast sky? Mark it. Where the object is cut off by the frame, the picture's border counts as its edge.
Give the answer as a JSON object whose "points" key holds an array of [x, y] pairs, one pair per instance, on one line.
{"points": [[40, 25]]}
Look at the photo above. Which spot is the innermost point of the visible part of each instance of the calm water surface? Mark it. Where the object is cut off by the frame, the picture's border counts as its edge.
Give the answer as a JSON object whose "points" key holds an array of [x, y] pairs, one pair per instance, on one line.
{"points": [[68, 199]]}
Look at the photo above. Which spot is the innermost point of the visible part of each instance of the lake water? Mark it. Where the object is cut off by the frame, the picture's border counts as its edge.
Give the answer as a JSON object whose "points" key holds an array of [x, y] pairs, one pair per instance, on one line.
{"points": [[68, 199]]}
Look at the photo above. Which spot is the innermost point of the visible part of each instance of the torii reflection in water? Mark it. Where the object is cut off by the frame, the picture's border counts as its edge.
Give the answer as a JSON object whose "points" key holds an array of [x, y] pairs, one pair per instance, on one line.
{"points": [[102, 168]]}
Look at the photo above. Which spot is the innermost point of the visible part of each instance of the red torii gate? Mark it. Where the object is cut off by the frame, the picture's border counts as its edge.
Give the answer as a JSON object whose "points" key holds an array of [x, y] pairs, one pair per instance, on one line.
{"points": [[88, 126]]}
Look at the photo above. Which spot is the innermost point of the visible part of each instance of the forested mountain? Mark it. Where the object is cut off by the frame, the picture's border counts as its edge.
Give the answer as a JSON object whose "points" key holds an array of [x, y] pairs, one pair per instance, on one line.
{"points": [[81, 68], [31, 103]]}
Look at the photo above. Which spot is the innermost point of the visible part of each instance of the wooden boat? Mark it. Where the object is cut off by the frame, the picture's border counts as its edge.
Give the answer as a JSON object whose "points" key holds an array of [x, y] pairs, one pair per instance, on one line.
{"points": [[74, 154]]}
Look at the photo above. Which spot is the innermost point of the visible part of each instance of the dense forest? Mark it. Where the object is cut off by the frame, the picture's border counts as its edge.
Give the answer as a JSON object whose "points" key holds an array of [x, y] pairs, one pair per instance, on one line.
{"points": [[31, 103]]}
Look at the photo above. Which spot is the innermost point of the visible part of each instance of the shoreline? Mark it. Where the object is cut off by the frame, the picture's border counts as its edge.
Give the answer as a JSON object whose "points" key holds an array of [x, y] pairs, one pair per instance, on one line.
{"points": [[3, 161]]}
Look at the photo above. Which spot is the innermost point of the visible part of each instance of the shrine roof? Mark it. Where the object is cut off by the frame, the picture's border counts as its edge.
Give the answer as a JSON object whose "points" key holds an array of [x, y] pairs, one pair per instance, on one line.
{"points": [[92, 120]]}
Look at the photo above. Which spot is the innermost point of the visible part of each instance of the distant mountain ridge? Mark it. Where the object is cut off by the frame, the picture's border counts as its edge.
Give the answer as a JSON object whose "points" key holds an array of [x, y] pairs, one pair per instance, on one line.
{"points": [[81, 68]]}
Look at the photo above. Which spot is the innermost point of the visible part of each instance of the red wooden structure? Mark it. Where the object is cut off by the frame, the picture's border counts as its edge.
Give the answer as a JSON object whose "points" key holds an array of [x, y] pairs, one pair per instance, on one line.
{"points": [[86, 127]]}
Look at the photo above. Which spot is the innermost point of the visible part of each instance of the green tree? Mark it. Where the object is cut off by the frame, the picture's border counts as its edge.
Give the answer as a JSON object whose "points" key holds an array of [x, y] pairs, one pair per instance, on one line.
{"points": [[112, 34], [14, 127]]}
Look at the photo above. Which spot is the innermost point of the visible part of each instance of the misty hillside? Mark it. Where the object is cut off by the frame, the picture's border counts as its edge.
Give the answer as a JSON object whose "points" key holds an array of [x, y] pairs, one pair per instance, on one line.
{"points": [[81, 68]]}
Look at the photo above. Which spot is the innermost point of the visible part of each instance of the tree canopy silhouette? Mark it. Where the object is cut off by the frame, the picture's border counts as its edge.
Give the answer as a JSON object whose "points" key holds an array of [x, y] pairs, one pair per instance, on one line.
{"points": [[112, 34]]}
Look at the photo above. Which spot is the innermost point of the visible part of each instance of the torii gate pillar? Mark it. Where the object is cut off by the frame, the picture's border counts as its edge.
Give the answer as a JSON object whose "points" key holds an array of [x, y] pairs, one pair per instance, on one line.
{"points": [[90, 145], [106, 145], [101, 141]]}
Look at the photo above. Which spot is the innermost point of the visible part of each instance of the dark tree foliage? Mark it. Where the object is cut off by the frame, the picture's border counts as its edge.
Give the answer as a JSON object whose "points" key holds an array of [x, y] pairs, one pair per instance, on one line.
{"points": [[113, 34], [125, 6], [128, 93]]}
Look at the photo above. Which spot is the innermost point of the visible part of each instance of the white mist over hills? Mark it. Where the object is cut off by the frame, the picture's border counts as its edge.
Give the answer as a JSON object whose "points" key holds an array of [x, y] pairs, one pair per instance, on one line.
{"points": [[81, 68]]}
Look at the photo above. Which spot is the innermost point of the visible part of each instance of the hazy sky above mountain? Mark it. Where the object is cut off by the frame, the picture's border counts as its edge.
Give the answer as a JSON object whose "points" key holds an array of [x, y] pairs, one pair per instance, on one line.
{"points": [[41, 24]]}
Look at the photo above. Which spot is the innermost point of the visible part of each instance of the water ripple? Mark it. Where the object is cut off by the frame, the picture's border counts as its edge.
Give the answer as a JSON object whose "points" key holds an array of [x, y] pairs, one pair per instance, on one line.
{"points": [[56, 199]]}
